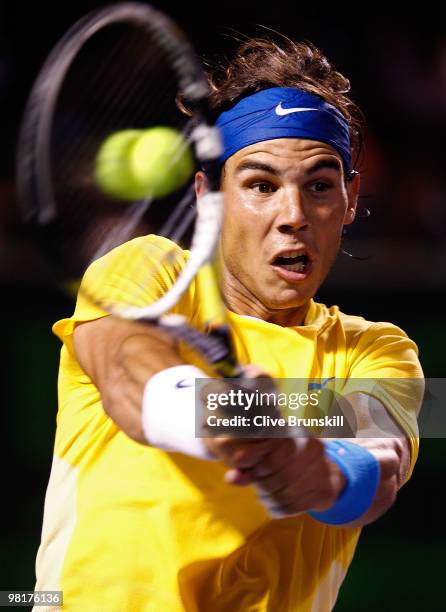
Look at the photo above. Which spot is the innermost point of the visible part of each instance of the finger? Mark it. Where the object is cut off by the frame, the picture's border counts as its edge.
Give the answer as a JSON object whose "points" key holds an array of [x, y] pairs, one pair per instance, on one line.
{"points": [[237, 452], [238, 477], [317, 488], [277, 512], [287, 451], [306, 466], [251, 454], [252, 371], [281, 454]]}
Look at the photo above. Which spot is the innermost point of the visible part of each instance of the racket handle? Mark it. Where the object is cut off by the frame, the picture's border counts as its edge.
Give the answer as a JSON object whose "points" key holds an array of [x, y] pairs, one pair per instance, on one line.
{"points": [[215, 347]]}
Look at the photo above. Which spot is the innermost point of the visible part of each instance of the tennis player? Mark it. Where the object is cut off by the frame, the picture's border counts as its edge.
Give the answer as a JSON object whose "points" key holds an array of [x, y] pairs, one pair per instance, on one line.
{"points": [[141, 515]]}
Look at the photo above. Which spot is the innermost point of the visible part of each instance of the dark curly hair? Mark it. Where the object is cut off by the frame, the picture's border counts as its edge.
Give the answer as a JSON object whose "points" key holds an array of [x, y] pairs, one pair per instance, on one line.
{"points": [[261, 63]]}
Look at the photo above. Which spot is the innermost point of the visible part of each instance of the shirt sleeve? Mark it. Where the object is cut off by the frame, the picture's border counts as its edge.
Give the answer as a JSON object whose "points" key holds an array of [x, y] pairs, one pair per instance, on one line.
{"points": [[384, 364], [135, 273]]}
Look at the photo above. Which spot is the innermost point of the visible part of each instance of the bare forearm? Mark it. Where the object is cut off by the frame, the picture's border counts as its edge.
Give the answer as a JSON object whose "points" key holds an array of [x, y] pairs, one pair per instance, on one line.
{"points": [[393, 455], [120, 357]]}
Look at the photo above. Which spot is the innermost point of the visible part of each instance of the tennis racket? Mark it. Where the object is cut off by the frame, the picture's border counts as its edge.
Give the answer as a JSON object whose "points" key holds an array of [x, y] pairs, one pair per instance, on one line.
{"points": [[122, 68]]}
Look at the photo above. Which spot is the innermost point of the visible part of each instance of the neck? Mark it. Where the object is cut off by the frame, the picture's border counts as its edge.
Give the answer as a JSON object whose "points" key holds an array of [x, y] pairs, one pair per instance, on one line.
{"points": [[242, 301]]}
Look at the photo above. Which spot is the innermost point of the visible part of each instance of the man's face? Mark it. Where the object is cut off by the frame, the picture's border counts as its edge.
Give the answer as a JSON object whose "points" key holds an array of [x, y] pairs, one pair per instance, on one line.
{"points": [[286, 201]]}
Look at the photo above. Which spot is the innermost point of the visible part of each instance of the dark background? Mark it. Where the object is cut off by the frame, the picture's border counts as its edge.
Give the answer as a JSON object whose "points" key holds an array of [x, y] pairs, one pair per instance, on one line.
{"points": [[397, 64]]}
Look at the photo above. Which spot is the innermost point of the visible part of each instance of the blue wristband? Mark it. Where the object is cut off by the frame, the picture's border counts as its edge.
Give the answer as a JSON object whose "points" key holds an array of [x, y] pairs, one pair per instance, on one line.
{"points": [[362, 472]]}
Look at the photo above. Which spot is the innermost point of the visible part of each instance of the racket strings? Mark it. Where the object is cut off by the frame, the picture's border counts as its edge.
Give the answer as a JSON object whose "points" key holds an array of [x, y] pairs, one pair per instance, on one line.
{"points": [[130, 101], [174, 227], [112, 91], [115, 83], [142, 267], [80, 90], [134, 275], [182, 216]]}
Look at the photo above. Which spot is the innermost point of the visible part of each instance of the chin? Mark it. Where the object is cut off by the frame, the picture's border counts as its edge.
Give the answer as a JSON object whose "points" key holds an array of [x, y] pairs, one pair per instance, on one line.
{"points": [[293, 297], [285, 302]]}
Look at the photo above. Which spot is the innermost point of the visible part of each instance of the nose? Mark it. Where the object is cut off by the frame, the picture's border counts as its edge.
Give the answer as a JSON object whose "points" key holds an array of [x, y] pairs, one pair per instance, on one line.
{"points": [[291, 217]]}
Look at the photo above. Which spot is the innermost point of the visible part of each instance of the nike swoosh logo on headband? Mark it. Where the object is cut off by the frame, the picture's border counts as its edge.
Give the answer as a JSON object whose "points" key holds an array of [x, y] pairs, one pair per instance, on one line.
{"points": [[286, 111]]}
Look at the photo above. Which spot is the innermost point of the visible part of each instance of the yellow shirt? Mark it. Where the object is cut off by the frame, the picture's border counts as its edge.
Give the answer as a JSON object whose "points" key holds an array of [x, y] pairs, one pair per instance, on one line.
{"points": [[132, 528]]}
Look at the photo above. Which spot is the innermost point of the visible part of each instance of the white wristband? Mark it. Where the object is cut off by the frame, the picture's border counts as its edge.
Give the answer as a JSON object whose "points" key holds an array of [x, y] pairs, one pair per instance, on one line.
{"points": [[168, 411]]}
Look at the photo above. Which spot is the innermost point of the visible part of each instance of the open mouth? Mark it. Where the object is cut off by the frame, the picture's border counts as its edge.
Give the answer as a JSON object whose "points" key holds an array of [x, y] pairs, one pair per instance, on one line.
{"points": [[293, 262]]}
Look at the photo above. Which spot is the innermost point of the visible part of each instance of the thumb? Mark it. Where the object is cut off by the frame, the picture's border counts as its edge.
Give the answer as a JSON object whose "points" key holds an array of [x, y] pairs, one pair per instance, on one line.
{"points": [[238, 477]]}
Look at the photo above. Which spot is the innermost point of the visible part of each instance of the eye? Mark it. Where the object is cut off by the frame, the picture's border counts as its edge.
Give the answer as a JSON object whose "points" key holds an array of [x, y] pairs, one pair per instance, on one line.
{"points": [[321, 186], [263, 187]]}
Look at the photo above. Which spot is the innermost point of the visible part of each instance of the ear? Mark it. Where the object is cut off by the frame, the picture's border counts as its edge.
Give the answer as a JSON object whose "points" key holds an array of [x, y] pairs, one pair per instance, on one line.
{"points": [[353, 187], [201, 184]]}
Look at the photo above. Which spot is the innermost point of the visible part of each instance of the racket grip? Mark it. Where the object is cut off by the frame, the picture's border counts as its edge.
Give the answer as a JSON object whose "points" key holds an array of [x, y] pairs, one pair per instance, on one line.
{"points": [[215, 347]]}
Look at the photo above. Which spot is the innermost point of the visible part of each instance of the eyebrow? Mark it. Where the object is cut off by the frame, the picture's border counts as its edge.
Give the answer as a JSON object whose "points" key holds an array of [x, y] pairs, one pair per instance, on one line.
{"points": [[323, 164], [253, 165]]}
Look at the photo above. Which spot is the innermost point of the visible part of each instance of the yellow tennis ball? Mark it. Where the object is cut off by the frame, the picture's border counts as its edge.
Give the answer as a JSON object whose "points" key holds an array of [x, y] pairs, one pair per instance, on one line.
{"points": [[134, 164], [111, 172], [161, 161]]}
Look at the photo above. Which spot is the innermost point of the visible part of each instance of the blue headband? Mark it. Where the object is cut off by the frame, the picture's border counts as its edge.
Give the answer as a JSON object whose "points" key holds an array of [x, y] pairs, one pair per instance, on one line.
{"points": [[284, 112]]}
